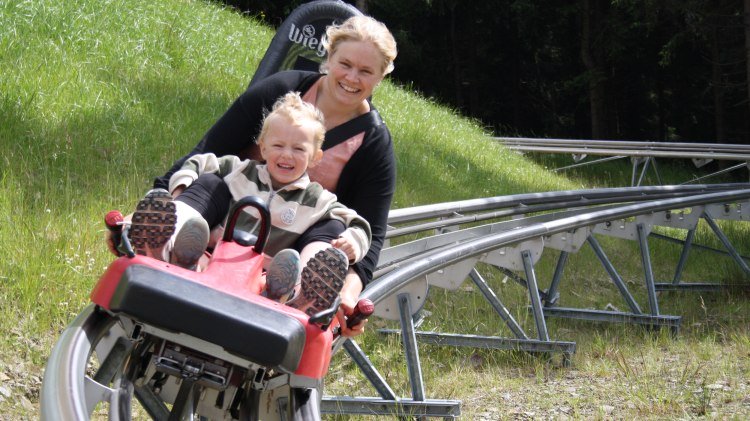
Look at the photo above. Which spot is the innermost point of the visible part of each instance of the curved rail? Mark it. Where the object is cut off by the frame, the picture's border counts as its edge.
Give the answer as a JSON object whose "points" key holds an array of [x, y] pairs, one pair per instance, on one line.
{"points": [[536, 202], [639, 152], [433, 261], [90, 334], [452, 214], [402, 279], [731, 152], [66, 365]]}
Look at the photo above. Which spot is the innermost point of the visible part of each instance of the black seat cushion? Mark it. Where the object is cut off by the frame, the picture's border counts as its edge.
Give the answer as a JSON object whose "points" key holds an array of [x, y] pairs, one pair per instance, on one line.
{"points": [[241, 327]]}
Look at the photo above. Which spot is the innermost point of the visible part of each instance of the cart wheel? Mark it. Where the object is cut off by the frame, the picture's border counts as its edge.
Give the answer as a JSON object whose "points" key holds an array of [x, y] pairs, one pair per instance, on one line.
{"points": [[94, 367], [89, 369]]}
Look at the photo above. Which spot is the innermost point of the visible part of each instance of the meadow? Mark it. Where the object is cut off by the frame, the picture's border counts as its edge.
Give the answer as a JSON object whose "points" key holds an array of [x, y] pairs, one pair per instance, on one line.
{"points": [[97, 98]]}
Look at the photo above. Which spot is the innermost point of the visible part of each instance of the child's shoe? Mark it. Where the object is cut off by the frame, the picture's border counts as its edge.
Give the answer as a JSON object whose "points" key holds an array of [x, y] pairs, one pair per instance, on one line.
{"points": [[283, 274], [322, 280], [153, 224], [190, 243]]}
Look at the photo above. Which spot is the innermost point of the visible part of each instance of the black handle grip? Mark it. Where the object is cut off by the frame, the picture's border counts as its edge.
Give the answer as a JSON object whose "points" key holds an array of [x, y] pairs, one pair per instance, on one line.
{"points": [[113, 220]]}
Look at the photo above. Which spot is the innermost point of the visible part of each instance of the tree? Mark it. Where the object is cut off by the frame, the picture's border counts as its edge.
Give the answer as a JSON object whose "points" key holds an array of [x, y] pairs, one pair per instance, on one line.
{"points": [[591, 55], [620, 69]]}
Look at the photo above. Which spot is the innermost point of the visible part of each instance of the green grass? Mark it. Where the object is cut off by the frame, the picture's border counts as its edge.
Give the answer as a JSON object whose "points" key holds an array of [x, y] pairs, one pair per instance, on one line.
{"points": [[97, 98]]}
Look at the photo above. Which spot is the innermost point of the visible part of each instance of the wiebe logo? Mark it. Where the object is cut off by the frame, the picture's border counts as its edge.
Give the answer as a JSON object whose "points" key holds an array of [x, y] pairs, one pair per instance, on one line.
{"points": [[306, 37]]}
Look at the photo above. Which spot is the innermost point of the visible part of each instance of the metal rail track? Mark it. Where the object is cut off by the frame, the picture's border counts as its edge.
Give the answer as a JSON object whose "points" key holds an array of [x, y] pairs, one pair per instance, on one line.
{"points": [[640, 152], [517, 230], [730, 152], [447, 259]]}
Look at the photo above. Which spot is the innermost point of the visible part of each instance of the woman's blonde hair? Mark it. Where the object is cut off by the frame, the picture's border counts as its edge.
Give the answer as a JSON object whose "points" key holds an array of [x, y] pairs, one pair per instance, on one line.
{"points": [[298, 112], [362, 28]]}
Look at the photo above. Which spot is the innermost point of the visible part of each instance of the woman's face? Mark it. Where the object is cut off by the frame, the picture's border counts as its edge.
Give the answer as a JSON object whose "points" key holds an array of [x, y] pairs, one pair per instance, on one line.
{"points": [[354, 69]]}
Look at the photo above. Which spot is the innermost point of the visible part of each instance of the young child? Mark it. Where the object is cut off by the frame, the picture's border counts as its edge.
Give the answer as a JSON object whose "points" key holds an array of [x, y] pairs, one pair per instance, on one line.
{"points": [[290, 141]]}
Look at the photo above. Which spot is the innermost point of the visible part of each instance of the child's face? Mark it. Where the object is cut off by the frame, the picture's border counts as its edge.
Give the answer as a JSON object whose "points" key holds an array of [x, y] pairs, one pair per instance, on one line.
{"points": [[288, 150]]}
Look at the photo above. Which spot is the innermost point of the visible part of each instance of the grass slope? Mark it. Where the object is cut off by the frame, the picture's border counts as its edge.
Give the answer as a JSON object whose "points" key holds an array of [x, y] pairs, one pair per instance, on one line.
{"points": [[97, 98]]}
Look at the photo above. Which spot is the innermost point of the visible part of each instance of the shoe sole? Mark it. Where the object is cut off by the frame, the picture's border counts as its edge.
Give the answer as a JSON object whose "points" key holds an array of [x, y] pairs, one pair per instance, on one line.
{"points": [[190, 243], [153, 223], [322, 280], [282, 275]]}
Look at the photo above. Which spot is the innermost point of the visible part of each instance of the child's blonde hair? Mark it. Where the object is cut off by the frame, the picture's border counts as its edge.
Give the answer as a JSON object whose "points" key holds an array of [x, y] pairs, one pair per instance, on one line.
{"points": [[298, 112], [362, 28]]}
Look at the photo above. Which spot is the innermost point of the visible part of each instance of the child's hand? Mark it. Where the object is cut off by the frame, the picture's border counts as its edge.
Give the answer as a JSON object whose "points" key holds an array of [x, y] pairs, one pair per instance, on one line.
{"points": [[348, 248]]}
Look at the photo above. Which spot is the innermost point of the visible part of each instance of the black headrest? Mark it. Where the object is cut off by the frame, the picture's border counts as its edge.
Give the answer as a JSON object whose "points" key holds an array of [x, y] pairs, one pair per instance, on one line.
{"points": [[297, 43]]}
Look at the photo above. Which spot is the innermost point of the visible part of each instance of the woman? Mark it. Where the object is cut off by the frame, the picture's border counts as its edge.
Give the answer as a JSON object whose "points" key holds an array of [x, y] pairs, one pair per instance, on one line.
{"points": [[361, 170]]}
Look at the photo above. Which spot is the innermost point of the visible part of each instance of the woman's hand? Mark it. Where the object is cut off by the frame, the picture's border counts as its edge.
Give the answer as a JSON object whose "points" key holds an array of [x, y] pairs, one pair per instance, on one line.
{"points": [[349, 297]]}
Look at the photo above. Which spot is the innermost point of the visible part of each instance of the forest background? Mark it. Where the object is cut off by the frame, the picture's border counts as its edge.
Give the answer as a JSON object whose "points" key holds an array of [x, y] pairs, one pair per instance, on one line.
{"points": [[656, 70]]}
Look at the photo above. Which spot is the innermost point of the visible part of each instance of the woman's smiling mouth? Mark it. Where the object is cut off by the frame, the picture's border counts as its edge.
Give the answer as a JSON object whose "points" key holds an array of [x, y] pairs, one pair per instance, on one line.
{"points": [[349, 88]]}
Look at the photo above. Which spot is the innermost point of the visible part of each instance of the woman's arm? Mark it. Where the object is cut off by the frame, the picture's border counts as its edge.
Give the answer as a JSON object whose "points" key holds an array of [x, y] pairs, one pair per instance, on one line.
{"points": [[367, 185]]}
